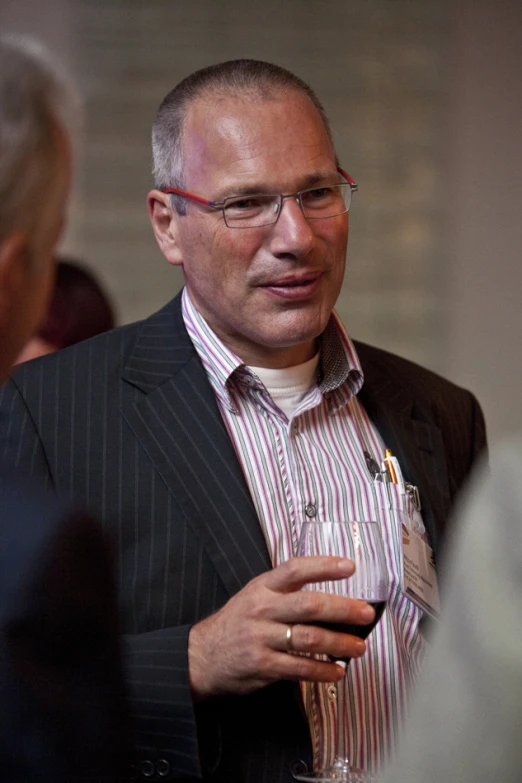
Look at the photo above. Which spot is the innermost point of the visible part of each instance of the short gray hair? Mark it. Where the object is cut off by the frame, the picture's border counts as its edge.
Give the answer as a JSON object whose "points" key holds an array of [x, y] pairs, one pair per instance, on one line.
{"points": [[36, 99], [249, 79]]}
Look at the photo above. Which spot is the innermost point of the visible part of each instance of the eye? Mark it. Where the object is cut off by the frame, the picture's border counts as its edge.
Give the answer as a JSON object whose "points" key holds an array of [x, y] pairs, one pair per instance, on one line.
{"points": [[245, 204], [316, 194]]}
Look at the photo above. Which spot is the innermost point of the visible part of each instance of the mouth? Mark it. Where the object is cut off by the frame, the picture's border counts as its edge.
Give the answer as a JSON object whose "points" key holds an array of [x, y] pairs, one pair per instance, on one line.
{"points": [[294, 287]]}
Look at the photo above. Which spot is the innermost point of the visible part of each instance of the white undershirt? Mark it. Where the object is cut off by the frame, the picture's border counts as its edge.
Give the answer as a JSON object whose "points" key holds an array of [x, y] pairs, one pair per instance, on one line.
{"points": [[288, 386]]}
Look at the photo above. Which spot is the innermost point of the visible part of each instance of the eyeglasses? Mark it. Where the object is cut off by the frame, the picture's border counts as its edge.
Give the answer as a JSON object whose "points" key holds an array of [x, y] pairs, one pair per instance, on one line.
{"points": [[263, 209]]}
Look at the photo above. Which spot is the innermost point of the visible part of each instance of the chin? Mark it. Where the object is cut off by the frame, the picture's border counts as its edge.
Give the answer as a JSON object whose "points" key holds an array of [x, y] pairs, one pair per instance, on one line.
{"points": [[307, 327]]}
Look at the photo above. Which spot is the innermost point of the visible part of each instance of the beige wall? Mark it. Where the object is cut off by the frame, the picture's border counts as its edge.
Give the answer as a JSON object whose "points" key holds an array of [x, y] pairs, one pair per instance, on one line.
{"points": [[484, 191], [425, 100]]}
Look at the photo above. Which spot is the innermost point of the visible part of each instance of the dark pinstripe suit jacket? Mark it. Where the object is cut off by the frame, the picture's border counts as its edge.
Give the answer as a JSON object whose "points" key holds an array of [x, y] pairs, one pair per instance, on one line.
{"points": [[127, 424]]}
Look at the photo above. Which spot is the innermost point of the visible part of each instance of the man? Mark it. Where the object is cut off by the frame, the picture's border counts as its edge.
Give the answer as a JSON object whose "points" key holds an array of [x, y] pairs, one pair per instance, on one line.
{"points": [[62, 713], [465, 723], [206, 434]]}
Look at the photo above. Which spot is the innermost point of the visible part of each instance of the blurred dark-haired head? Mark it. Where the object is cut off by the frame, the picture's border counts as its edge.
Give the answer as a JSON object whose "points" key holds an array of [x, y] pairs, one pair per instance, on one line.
{"points": [[78, 309]]}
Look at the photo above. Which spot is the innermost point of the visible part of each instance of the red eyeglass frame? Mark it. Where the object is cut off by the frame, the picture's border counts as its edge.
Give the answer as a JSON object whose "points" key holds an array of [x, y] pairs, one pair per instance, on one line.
{"points": [[221, 204]]}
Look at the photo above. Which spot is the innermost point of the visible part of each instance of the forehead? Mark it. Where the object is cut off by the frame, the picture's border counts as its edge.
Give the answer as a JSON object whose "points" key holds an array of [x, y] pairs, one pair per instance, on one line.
{"points": [[253, 139]]}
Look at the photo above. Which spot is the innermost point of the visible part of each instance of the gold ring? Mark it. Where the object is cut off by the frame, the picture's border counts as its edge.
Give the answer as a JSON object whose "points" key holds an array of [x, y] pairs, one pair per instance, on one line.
{"points": [[289, 645]]}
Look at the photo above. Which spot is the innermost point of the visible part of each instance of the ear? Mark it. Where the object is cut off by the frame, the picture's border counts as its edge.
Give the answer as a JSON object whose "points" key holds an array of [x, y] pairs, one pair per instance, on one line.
{"points": [[14, 272], [165, 226], [15, 263]]}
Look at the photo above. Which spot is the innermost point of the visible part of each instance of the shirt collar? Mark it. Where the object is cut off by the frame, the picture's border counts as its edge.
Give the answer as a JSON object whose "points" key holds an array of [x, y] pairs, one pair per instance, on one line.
{"points": [[340, 373], [341, 376], [219, 361]]}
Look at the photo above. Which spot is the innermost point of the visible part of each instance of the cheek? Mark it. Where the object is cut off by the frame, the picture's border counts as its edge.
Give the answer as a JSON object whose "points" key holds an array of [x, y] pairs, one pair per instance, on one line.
{"points": [[233, 254], [339, 244]]}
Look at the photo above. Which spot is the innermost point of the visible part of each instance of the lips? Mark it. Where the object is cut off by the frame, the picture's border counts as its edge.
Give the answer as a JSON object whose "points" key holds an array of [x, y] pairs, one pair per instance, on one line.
{"points": [[294, 287]]}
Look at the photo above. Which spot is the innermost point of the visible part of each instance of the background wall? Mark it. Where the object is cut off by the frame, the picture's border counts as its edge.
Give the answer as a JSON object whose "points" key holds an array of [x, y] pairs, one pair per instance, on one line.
{"points": [[484, 192], [425, 99]]}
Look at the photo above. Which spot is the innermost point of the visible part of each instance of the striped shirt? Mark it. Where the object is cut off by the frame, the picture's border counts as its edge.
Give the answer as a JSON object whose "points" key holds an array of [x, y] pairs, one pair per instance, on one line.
{"points": [[314, 465]]}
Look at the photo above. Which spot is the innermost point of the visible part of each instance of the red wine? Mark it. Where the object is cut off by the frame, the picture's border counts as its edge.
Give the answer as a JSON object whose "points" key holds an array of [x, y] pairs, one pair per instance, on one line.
{"points": [[362, 631]]}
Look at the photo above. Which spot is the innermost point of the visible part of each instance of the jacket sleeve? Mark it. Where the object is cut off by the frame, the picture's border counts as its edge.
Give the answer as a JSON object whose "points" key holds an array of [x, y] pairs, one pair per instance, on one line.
{"points": [[174, 739]]}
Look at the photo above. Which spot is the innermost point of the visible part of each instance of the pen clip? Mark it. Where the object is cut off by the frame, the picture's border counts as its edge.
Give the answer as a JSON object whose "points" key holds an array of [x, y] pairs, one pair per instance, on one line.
{"points": [[413, 492], [394, 470]]}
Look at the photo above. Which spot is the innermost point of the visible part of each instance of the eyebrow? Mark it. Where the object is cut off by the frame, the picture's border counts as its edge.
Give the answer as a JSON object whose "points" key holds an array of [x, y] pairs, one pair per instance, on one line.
{"points": [[255, 190]]}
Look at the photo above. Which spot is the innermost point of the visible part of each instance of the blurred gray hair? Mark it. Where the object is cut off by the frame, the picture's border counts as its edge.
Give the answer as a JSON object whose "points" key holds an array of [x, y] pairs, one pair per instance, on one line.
{"points": [[36, 99], [248, 79]]}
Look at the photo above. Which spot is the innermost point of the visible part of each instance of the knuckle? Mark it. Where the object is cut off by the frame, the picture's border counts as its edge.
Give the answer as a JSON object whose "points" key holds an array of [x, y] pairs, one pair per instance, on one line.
{"points": [[253, 655], [293, 568], [302, 667], [309, 637], [353, 605], [310, 604], [257, 661], [262, 606]]}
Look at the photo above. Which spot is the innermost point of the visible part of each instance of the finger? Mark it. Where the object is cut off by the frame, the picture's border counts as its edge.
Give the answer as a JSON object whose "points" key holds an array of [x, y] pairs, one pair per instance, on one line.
{"points": [[314, 640], [307, 669], [313, 606], [299, 571]]}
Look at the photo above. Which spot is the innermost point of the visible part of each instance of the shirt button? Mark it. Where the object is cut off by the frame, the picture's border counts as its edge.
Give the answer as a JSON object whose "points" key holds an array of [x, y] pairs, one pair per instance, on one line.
{"points": [[162, 767], [332, 692], [298, 767], [295, 427], [147, 769], [310, 510]]}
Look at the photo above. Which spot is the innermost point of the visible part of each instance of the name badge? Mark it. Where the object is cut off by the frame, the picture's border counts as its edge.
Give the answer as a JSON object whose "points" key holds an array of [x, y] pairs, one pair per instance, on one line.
{"points": [[419, 574]]}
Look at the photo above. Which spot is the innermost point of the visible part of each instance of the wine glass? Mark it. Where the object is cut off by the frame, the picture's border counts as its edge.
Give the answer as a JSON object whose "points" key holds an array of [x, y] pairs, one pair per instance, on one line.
{"points": [[361, 542]]}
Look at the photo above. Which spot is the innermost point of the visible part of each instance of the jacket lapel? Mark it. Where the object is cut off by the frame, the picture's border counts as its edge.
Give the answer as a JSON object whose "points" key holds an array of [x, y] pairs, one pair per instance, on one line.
{"points": [[178, 423], [408, 429]]}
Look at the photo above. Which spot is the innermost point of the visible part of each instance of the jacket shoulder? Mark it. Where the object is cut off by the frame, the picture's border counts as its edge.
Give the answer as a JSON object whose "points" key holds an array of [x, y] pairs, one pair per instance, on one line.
{"points": [[420, 380], [111, 347], [108, 351]]}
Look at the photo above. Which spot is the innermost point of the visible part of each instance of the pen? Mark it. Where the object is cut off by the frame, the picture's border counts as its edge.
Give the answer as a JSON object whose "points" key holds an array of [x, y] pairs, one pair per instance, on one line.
{"points": [[388, 459]]}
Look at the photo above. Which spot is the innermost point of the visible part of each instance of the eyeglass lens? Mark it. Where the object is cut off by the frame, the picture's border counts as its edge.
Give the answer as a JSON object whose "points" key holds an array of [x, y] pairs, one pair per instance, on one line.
{"points": [[263, 210]]}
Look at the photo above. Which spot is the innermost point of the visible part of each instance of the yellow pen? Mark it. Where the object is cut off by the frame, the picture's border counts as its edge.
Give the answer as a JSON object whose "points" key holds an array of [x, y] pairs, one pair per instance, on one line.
{"points": [[388, 459]]}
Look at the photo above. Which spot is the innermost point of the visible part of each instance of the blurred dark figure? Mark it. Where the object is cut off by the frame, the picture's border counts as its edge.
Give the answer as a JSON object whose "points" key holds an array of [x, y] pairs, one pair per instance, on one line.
{"points": [[62, 705], [78, 309], [63, 716]]}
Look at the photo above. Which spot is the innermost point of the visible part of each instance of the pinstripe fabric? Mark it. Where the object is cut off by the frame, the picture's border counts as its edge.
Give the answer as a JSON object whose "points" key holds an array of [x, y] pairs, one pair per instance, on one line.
{"points": [[128, 425], [314, 464]]}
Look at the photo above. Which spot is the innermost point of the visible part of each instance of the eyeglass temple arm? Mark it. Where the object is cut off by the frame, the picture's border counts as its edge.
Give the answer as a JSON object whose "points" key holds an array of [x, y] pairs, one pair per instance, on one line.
{"points": [[188, 195], [349, 179]]}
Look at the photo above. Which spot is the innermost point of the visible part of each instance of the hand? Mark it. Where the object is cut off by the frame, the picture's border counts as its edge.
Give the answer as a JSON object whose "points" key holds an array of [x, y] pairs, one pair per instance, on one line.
{"points": [[242, 647]]}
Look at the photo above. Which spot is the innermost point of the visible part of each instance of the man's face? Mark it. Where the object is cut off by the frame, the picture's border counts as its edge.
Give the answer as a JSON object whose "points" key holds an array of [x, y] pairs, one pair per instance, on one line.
{"points": [[267, 292]]}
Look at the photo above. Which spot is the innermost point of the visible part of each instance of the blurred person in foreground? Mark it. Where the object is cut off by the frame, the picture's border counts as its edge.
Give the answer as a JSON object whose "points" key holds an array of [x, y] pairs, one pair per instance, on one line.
{"points": [[205, 435], [62, 715], [466, 720], [78, 309]]}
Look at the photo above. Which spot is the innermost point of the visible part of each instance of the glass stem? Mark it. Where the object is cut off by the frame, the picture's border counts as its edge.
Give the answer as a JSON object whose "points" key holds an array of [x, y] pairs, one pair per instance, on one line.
{"points": [[341, 755]]}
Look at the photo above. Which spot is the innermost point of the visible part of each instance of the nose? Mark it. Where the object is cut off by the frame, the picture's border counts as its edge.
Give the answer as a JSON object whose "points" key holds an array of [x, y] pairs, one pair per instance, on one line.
{"points": [[292, 236]]}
